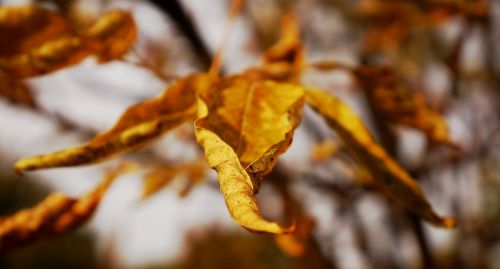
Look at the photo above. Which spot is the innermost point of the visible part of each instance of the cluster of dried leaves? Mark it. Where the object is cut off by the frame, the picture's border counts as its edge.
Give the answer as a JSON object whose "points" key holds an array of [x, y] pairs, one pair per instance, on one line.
{"points": [[244, 122], [36, 41]]}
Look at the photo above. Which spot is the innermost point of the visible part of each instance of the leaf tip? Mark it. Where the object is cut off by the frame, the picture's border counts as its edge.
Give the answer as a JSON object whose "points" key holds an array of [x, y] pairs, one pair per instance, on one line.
{"points": [[444, 222], [21, 166], [271, 228]]}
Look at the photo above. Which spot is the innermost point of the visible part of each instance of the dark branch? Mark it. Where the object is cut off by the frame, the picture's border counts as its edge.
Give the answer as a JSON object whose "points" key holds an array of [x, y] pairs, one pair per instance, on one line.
{"points": [[177, 13]]}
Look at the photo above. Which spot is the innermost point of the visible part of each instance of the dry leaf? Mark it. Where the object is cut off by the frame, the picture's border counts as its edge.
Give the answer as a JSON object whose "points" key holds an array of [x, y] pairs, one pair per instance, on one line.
{"points": [[162, 176], [235, 183], [392, 179], [140, 124], [245, 122], [400, 105], [157, 179], [244, 125], [54, 215], [39, 41], [288, 48], [288, 51], [112, 35], [49, 57], [255, 118]]}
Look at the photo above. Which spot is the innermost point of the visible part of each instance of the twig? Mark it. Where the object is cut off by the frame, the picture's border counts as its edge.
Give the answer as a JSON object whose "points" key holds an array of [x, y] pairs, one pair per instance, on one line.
{"points": [[177, 13]]}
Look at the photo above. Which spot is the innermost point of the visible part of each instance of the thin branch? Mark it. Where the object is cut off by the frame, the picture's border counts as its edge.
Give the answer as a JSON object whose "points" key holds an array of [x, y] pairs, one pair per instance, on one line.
{"points": [[184, 23]]}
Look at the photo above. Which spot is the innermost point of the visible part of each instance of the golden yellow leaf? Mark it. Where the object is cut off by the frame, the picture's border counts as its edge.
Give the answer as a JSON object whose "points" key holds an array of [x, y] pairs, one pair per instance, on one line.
{"points": [[113, 34], [392, 179], [140, 124], [54, 215], [231, 136], [235, 184], [400, 105], [255, 118]]}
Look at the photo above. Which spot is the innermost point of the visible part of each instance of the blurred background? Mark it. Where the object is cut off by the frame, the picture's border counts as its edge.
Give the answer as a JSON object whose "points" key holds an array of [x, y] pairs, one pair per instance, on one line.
{"points": [[445, 49]]}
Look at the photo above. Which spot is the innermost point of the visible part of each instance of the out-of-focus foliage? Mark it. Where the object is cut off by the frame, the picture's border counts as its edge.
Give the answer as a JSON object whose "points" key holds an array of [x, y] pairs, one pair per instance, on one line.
{"points": [[39, 41], [160, 177], [399, 105], [245, 121], [56, 214], [74, 250], [36, 41], [386, 173]]}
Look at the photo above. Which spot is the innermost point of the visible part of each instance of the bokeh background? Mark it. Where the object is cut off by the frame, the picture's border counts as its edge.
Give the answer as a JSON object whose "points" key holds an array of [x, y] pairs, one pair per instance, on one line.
{"points": [[451, 56]]}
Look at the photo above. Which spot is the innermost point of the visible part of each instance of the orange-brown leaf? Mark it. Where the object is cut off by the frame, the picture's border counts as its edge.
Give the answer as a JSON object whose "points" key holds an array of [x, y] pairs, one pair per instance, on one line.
{"points": [[162, 176], [113, 34], [140, 124], [54, 215], [285, 59], [37, 42], [288, 48], [400, 105], [48, 57], [25, 28]]}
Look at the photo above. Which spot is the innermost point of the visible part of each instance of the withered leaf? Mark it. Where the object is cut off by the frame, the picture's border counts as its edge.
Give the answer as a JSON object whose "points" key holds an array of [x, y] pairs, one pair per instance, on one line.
{"points": [[56, 214], [235, 183], [112, 35], [139, 124], [156, 179], [255, 118], [243, 126], [49, 57], [38, 41], [245, 122], [162, 176], [285, 59], [400, 105], [392, 179], [289, 46]]}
